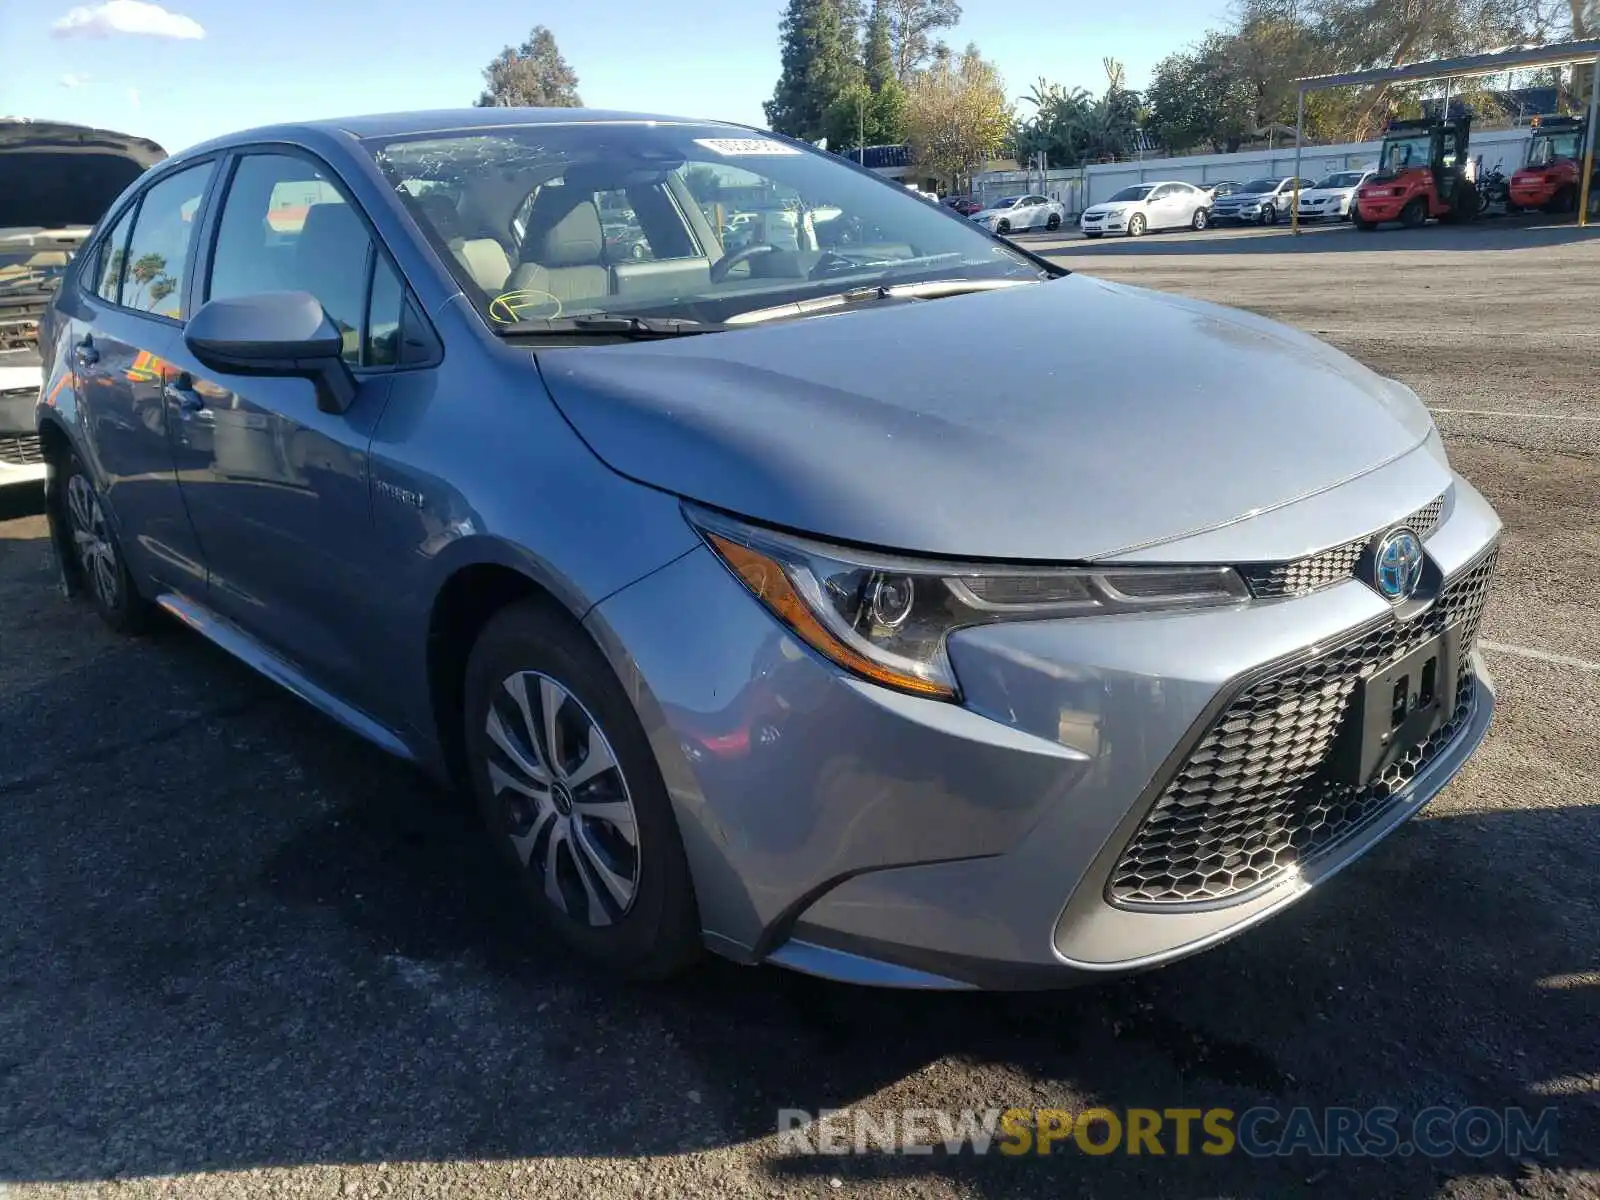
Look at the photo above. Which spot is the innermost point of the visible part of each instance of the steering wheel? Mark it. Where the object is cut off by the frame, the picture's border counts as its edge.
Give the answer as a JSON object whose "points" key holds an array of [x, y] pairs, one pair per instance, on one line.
{"points": [[720, 268]]}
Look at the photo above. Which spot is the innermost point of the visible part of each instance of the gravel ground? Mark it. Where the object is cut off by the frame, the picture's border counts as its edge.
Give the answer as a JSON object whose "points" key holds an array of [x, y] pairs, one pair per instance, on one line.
{"points": [[242, 954]]}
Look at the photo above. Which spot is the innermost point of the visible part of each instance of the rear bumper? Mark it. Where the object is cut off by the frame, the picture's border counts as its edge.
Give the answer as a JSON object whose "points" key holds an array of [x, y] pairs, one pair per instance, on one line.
{"points": [[869, 836]]}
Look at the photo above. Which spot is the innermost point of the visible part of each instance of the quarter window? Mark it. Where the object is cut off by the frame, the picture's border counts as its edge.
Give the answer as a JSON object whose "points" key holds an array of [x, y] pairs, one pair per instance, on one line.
{"points": [[113, 254], [158, 252]]}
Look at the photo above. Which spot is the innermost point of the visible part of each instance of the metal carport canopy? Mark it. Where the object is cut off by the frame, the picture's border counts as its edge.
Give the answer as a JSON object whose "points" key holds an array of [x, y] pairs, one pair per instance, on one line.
{"points": [[1494, 62]]}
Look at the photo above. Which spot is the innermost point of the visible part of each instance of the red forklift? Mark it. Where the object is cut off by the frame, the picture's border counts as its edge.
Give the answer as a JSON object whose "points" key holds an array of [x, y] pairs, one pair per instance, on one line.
{"points": [[1550, 177], [1422, 173]]}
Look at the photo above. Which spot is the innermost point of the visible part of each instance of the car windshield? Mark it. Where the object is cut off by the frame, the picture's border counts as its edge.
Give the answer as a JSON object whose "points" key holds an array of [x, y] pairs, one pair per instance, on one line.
{"points": [[1343, 179], [1401, 154], [1552, 148], [1131, 193], [692, 221], [1257, 186], [1008, 202]]}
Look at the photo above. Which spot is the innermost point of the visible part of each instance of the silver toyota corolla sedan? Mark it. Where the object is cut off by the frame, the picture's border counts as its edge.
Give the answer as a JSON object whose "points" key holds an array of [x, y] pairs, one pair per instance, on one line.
{"points": [[861, 594]]}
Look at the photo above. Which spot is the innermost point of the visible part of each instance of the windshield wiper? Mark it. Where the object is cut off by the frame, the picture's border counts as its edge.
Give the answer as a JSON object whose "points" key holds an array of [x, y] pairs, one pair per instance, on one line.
{"points": [[931, 290], [607, 325]]}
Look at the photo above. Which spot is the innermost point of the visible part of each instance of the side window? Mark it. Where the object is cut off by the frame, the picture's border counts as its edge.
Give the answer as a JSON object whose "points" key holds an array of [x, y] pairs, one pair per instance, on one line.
{"points": [[113, 254], [385, 312], [158, 251], [285, 226], [625, 238], [1162, 192]]}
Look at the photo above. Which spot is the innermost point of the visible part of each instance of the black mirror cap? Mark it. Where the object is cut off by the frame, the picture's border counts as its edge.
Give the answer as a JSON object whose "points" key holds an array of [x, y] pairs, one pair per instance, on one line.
{"points": [[274, 333]]}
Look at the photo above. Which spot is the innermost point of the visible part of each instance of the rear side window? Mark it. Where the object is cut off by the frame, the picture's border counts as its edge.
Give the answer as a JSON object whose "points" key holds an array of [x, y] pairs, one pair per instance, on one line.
{"points": [[113, 254], [158, 251]]}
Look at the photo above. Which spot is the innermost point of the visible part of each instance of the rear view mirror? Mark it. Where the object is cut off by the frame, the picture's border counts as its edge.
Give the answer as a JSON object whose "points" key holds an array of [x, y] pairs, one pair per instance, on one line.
{"points": [[274, 333]]}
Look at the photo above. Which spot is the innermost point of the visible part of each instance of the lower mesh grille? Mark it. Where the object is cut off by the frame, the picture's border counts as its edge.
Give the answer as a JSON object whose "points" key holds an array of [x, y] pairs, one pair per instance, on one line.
{"points": [[20, 450], [1256, 798]]}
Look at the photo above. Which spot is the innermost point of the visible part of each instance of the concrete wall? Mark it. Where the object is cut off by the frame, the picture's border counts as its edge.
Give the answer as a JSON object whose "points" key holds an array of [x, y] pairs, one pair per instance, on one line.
{"points": [[1078, 189]]}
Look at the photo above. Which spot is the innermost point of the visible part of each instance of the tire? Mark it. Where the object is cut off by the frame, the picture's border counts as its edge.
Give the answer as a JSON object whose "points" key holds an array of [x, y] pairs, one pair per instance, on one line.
{"points": [[1092, 236], [628, 908], [1054, 223], [1002, 226], [1360, 222], [106, 578], [1137, 225], [1201, 221], [1269, 214], [1564, 201], [1415, 214]]}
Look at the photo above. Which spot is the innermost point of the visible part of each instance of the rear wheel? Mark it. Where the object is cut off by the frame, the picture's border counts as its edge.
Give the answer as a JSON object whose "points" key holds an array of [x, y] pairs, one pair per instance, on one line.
{"points": [[567, 784], [1414, 214], [1360, 222], [1564, 201], [1137, 225], [98, 555]]}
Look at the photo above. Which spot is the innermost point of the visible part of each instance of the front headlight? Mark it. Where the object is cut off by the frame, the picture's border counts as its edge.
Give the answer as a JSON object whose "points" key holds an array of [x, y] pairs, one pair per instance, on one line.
{"points": [[886, 617]]}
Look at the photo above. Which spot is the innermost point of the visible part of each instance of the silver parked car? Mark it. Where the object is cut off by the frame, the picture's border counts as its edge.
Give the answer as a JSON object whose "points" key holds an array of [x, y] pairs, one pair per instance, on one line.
{"points": [[1017, 214], [1146, 206], [976, 669], [1261, 201]]}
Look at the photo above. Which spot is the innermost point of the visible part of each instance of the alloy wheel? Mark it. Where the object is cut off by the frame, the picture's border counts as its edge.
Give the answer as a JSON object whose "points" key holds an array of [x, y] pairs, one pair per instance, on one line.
{"points": [[563, 798], [97, 554]]}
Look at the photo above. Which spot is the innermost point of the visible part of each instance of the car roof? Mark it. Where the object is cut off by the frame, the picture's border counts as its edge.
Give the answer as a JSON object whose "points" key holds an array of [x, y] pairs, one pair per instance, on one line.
{"points": [[442, 120]]}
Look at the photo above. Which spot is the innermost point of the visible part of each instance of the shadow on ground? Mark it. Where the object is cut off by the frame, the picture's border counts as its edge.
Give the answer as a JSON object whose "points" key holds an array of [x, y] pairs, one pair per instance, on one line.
{"points": [[237, 937], [1503, 234]]}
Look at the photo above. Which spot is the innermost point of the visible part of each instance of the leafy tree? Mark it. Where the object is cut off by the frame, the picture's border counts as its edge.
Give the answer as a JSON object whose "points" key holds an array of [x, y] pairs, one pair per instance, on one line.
{"points": [[862, 117], [532, 75], [912, 25], [820, 64], [956, 116], [703, 184], [1071, 127], [1200, 97]]}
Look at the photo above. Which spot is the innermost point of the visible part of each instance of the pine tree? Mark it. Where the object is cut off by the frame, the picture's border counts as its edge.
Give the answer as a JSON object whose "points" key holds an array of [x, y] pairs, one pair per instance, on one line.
{"points": [[533, 75], [820, 64], [878, 55]]}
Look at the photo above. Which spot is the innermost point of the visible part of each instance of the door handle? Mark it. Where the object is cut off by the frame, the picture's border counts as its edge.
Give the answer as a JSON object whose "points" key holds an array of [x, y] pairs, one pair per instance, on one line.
{"points": [[181, 392], [85, 352]]}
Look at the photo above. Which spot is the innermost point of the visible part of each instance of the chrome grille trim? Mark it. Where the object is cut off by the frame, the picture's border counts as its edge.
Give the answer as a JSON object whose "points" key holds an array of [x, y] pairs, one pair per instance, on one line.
{"points": [[1253, 799], [20, 450], [1302, 576]]}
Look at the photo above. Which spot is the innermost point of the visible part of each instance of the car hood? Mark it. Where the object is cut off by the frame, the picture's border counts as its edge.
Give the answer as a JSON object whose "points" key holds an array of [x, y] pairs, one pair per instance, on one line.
{"points": [[64, 175], [1326, 193], [1109, 208], [1064, 420]]}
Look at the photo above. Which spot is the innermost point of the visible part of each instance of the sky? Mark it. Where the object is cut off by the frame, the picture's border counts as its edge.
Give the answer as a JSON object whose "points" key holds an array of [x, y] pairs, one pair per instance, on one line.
{"points": [[183, 71]]}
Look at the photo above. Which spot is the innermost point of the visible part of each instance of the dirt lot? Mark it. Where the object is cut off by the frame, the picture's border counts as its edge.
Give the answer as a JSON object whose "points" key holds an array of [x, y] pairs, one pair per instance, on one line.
{"points": [[243, 954]]}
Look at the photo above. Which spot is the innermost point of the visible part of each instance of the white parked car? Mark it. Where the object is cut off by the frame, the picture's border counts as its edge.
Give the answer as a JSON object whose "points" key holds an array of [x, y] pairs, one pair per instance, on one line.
{"points": [[1333, 197], [1146, 206], [1016, 213]]}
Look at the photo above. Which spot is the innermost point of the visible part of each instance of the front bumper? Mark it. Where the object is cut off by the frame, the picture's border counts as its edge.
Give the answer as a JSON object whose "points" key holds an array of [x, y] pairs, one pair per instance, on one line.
{"points": [[861, 834], [21, 461], [1110, 224]]}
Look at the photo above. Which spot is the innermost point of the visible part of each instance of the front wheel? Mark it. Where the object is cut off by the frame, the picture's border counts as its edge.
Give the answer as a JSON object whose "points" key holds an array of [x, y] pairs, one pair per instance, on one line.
{"points": [[1200, 221], [1269, 215], [1054, 223], [1137, 225], [569, 789], [98, 555], [1002, 226]]}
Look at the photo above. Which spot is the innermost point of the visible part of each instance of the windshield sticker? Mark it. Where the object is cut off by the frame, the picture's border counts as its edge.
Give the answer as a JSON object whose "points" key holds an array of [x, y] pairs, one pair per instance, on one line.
{"points": [[744, 147], [511, 307]]}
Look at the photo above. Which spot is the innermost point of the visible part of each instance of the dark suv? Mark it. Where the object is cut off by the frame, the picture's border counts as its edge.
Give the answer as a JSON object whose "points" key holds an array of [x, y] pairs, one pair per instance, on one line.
{"points": [[60, 179]]}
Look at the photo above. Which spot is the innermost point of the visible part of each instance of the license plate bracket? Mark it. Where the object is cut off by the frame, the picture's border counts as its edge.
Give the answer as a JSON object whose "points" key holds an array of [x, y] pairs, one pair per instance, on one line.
{"points": [[1396, 709]]}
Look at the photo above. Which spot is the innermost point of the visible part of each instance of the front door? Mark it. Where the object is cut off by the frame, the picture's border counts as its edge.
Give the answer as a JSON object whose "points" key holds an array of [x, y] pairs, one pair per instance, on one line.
{"points": [[124, 325], [276, 487]]}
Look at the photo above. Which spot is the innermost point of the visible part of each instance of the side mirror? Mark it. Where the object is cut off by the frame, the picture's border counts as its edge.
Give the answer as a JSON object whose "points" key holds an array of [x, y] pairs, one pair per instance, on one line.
{"points": [[274, 333]]}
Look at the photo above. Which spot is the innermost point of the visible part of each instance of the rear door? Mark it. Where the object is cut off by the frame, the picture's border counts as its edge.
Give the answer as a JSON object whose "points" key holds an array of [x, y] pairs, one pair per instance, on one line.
{"points": [[276, 487], [124, 321]]}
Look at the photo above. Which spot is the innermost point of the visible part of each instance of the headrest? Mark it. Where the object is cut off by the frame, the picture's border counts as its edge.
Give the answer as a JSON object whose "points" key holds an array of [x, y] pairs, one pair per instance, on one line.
{"points": [[564, 230]]}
